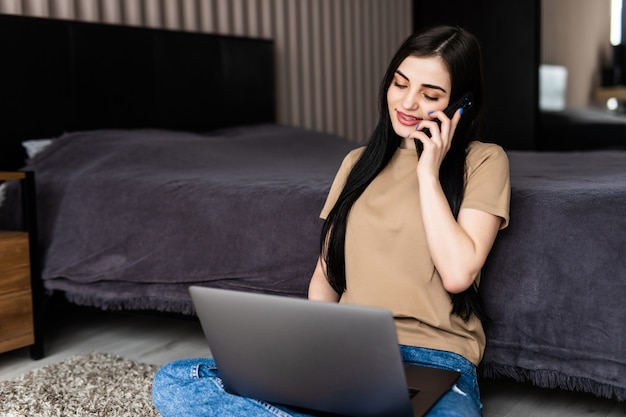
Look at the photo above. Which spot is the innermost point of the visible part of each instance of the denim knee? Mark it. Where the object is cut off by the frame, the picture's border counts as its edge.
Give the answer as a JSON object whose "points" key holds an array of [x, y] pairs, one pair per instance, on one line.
{"points": [[182, 384], [192, 387]]}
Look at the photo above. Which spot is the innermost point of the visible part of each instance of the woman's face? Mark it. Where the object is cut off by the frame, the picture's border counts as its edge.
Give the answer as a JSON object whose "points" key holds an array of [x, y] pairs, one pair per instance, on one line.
{"points": [[420, 86]]}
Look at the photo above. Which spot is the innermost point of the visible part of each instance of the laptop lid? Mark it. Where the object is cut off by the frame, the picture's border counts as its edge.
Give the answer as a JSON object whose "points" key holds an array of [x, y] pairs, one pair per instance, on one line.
{"points": [[335, 358]]}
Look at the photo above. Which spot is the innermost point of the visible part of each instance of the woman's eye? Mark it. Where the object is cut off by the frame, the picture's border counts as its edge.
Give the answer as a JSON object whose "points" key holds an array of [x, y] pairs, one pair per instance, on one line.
{"points": [[397, 84], [429, 98]]}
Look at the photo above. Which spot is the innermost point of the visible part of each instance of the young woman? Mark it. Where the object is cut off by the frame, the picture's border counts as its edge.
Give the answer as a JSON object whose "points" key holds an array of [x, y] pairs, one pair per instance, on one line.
{"points": [[403, 232], [412, 234]]}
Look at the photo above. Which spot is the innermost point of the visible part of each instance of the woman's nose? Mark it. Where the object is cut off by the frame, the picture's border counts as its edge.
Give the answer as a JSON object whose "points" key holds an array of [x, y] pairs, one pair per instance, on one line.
{"points": [[410, 101]]}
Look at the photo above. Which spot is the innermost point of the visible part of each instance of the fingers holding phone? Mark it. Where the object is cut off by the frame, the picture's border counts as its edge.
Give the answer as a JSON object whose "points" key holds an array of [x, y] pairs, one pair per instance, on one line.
{"points": [[433, 139], [445, 123]]}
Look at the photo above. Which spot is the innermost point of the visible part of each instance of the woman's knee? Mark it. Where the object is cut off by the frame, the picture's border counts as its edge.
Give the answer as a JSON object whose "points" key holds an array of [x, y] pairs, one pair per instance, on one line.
{"points": [[178, 385]]}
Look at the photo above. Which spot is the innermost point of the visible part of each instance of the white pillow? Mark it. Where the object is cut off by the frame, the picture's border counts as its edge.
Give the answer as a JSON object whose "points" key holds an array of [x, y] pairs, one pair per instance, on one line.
{"points": [[34, 146]]}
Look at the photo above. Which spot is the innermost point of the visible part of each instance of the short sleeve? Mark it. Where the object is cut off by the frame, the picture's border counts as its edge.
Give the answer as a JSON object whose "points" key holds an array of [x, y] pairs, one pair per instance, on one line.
{"points": [[340, 180], [488, 186]]}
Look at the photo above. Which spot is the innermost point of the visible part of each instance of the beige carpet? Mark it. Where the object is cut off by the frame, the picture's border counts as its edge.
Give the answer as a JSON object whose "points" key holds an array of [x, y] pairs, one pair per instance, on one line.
{"points": [[96, 384]]}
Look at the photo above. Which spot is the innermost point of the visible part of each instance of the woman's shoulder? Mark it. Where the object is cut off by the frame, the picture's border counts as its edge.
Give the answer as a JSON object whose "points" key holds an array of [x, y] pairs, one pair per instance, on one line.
{"points": [[353, 156], [349, 160], [479, 152]]}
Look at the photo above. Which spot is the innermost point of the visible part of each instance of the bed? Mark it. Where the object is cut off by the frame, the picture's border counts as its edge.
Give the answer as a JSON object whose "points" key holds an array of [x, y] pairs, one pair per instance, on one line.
{"points": [[166, 167], [186, 122], [555, 281], [134, 217]]}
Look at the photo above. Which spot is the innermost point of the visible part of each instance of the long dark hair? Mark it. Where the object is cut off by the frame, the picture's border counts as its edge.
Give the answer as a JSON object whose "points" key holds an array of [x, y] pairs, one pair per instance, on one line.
{"points": [[461, 54]]}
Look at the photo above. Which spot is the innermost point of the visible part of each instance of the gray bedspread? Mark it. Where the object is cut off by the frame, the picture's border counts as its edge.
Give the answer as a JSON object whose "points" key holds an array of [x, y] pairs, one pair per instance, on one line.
{"points": [[555, 282], [129, 219]]}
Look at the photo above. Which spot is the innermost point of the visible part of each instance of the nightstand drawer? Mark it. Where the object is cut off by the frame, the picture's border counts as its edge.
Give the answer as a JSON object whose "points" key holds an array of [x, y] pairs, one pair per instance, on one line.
{"points": [[16, 320], [21, 289], [14, 262]]}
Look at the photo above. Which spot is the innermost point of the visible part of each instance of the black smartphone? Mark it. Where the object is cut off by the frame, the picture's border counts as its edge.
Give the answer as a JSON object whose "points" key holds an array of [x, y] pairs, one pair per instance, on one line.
{"points": [[465, 102]]}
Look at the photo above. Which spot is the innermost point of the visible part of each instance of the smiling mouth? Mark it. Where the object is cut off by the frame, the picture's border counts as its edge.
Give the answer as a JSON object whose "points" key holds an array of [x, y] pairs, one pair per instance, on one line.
{"points": [[407, 119]]}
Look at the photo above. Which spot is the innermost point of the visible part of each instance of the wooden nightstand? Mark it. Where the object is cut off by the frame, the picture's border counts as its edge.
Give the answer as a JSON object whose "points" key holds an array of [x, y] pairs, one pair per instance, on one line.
{"points": [[20, 283]]}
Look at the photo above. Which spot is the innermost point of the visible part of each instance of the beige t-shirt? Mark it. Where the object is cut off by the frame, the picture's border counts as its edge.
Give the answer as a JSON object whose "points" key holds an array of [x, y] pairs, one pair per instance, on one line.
{"points": [[388, 263]]}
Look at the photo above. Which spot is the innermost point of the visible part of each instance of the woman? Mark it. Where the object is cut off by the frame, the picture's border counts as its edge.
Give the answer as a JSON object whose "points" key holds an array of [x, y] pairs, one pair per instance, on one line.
{"points": [[410, 234], [405, 233]]}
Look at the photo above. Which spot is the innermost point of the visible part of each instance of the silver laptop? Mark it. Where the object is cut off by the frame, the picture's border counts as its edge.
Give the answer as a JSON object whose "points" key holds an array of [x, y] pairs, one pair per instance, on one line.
{"points": [[327, 357]]}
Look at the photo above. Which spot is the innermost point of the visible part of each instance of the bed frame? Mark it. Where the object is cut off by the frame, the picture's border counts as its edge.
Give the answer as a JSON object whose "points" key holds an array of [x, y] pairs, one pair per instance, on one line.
{"points": [[84, 76]]}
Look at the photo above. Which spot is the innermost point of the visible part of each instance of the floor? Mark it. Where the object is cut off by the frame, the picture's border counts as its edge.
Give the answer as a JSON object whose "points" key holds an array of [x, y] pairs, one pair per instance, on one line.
{"points": [[158, 339]]}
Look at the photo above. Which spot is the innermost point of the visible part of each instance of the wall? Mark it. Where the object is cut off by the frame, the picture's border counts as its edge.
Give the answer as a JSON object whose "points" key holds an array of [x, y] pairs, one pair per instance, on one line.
{"points": [[331, 54], [575, 34], [508, 32]]}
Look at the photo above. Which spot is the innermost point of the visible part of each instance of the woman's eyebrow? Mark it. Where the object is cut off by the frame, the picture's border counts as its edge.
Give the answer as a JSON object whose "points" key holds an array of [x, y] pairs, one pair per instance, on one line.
{"points": [[402, 75], [435, 87], [432, 86]]}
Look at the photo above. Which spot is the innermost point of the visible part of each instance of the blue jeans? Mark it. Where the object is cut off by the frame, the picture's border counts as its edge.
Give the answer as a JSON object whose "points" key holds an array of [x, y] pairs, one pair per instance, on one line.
{"points": [[192, 387]]}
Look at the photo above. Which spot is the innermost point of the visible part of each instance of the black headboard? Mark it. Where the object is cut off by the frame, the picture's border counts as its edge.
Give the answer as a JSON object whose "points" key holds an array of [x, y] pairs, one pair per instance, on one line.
{"points": [[59, 76]]}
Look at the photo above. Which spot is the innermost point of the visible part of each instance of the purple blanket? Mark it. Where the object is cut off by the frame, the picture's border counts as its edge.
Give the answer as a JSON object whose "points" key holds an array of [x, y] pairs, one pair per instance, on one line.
{"points": [[129, 219], [555, 282]]}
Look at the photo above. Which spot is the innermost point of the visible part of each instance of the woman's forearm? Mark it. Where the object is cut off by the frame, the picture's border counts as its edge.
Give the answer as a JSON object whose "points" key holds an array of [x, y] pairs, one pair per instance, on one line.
{"points": [[458, 247]]}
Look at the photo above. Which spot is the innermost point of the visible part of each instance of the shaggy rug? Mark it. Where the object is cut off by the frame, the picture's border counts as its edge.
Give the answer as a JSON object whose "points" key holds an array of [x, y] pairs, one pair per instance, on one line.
{"points": [[96, 384]]}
